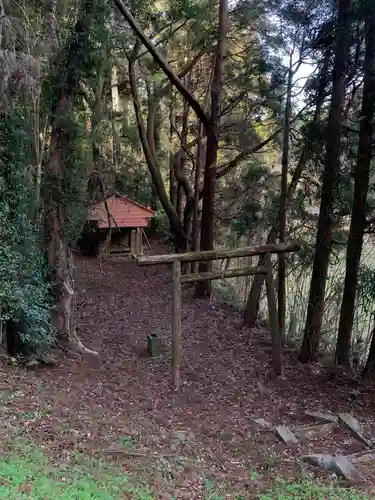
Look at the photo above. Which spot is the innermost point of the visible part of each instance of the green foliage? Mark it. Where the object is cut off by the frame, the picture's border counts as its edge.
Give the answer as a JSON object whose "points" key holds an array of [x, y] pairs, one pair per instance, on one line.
{"points": [[23, 289], [251, 208], [136, 184], [162, 222]]}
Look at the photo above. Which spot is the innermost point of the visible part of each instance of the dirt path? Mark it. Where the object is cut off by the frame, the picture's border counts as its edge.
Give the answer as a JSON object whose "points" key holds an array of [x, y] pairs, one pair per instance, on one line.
{"points": [[179, 442]]}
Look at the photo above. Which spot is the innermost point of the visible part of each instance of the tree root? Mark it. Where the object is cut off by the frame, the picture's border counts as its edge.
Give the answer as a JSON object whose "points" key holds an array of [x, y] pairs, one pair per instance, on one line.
{"points": [[77, 346]]}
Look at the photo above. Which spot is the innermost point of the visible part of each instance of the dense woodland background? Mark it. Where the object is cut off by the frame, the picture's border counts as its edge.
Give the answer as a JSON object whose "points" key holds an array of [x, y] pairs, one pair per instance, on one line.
{"points": [[241, 122]]}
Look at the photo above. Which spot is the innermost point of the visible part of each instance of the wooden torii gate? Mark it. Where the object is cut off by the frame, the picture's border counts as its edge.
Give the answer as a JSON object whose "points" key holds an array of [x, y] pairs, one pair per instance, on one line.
{"points": [[178, 279]]}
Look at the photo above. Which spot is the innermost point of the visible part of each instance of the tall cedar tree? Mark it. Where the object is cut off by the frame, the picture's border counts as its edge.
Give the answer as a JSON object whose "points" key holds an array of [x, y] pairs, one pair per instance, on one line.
{"points": [[283, 200], [315, 310], [358, 220], [209, 183]]}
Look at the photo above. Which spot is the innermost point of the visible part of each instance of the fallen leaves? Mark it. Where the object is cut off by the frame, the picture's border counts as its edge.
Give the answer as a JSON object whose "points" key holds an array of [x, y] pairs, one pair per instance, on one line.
{"points": [[209, 427]]}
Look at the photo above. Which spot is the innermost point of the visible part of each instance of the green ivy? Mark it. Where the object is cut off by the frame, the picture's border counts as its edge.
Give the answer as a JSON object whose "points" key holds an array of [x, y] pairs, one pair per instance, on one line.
{"points": [[77, 159], [24, 292]]}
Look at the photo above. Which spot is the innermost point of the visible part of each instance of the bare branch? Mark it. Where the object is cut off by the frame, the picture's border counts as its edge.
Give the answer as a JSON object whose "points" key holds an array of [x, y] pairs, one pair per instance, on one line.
{"points": [[163, 39], [159, 59], [149, 156], [225, 169]]}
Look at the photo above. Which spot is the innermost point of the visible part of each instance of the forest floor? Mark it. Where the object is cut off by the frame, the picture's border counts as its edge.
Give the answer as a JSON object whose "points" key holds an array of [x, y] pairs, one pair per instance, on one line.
{"points": [[199, 443]]}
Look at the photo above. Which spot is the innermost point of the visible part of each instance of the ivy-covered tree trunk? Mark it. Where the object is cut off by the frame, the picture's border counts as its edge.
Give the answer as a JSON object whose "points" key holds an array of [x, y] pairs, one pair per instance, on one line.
{"points": [[209, 183], [358, 220], [323, 244], [67, 72]]}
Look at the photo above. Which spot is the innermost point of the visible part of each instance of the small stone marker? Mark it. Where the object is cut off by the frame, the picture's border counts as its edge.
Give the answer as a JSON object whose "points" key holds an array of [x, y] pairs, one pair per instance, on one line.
{"points": [[32, 363], [286, 435], [340, 465], [355, 427], [320, 460], [346, 469], [154, 345], [324, 417], [263, 423]]}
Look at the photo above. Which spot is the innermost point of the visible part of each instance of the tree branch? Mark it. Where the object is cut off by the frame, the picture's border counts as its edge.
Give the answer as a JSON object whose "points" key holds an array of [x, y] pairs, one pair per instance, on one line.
{"points": [[225, 169], [157, 96], [149, 156], [189, 66], [173, 78], [163, 39]]}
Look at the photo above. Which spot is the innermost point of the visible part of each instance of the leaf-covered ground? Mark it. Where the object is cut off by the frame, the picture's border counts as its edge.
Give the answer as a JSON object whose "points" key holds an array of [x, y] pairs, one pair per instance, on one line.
{"points": [[199, 443]]}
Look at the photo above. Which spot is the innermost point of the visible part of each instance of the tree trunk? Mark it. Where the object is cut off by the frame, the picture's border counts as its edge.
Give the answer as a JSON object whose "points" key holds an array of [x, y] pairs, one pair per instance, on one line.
{"points": [[252, 304], [197, 183], [283, 202], [197, 179], [315, 310], [148, 149], [253, 299], [58, 250], [183, 197], [97, 117], [172, 175], [154, 193], [116, 145], [67, 74], [209, 183], [358, 219], [369, 369]]}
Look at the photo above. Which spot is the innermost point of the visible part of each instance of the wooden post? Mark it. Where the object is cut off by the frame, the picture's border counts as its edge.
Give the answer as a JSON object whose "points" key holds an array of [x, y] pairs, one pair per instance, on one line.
{"points": [[133, 245], [177, 280], [274, 322], [139, 242], [176, 323], [145, 236]]}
